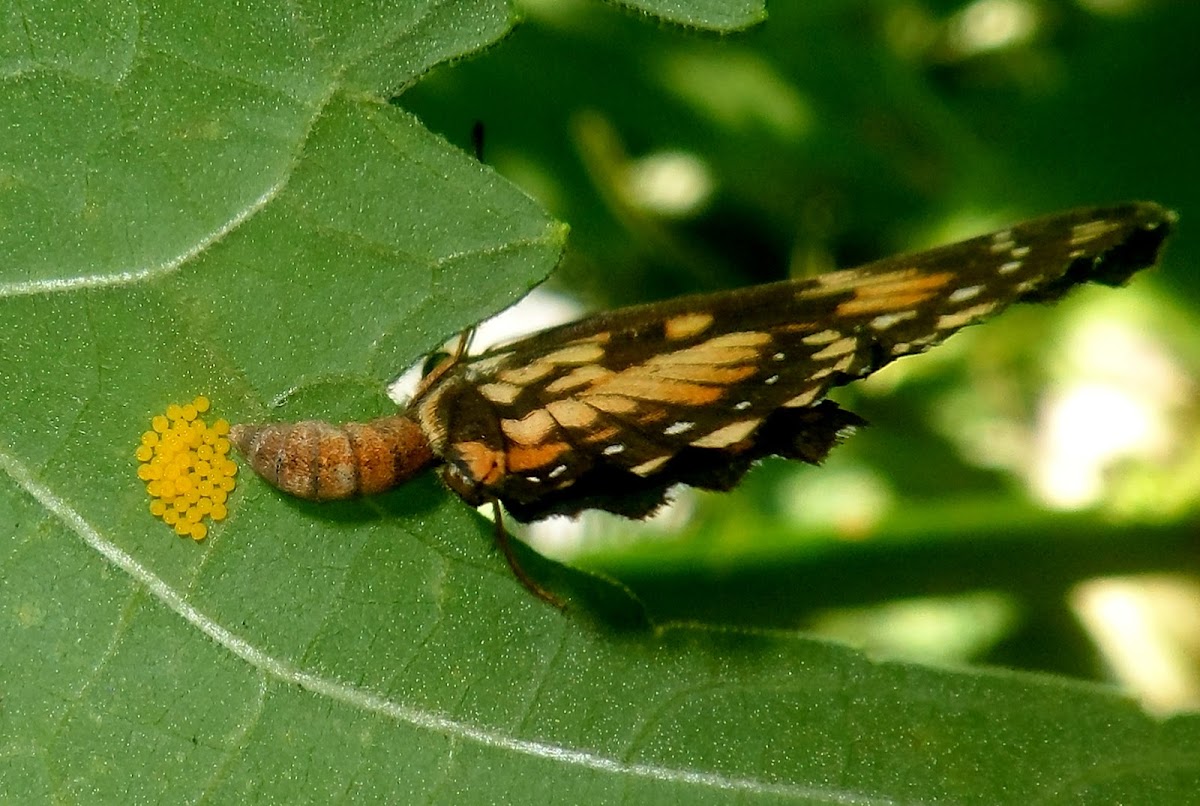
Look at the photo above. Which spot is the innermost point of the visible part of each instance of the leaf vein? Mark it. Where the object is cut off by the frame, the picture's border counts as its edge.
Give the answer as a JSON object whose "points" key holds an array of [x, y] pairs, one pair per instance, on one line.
{"points": [[370, 702]]}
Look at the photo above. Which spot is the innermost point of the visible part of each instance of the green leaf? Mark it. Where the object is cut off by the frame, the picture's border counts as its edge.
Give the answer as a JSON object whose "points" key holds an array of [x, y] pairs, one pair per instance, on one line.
{"points": [[218, 200], [717, 15]]}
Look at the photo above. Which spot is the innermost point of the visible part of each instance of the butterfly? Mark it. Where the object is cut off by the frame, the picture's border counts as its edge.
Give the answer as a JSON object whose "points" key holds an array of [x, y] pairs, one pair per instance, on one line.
{"points": [[613, 410]]}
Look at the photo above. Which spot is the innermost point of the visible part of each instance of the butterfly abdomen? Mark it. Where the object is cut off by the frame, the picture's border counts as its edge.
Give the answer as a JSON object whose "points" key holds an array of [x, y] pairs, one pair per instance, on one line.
{"points": [[322, 462]]}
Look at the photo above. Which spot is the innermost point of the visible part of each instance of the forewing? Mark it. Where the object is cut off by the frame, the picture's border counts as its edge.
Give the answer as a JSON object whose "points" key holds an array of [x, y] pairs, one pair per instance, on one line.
{"points": [[610, 411]]}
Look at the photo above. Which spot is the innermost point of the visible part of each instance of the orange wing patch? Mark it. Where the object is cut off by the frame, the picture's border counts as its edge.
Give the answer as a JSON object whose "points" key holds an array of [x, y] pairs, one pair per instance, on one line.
{"points": [[636, 384], [485, 466], [732, 348], [662, 367], [502, 393], [896, 294], [523, 458], [611, 404], [582, 353], [589, 373], [572, 414], [687, 325], [859, 307], [694, 376], [532, 429]]}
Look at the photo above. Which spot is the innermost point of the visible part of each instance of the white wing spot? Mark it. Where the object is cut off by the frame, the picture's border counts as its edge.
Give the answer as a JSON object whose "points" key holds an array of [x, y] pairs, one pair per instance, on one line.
{"points": [[778, 357], [1010, 266], [534, 479], [612, 404], [674, 429], [613, 450], [1028, 285], [901, 347], [730, 349], [965, 293], [1003, 241], [743, 405], [774, 379], [884, 321], [1019, 251], [556, 472]]}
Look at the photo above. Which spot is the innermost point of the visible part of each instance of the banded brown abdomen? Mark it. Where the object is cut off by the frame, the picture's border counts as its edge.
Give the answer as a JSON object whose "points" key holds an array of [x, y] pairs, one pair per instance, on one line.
{"points": [[320, 461]]}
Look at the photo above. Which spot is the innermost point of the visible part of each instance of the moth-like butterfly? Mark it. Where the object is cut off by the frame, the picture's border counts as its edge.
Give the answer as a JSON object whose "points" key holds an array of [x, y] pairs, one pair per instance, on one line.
{"points": [[611, 411]]}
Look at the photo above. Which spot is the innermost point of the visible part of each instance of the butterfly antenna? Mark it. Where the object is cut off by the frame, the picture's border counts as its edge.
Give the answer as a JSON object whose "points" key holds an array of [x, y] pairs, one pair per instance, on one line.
{"points": [[504, 541]]}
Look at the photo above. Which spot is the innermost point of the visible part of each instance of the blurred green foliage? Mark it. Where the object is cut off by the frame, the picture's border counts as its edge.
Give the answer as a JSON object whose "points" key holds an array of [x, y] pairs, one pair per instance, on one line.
{"points": [[837, 133]]}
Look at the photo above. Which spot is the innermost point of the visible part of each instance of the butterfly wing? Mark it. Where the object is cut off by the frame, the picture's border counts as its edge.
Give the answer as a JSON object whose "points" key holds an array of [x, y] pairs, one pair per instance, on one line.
{"points": [[612, 410]]}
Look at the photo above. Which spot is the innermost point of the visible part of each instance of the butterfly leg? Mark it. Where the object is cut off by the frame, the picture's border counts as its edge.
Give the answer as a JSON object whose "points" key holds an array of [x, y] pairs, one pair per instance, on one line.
{"points": [[504, 541]]}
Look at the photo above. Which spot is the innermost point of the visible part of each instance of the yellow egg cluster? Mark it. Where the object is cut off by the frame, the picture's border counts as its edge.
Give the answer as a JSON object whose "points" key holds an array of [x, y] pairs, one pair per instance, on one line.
{"points": [[186, 467]]}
